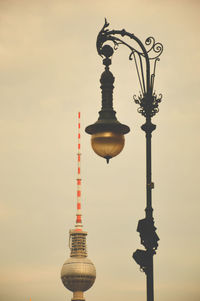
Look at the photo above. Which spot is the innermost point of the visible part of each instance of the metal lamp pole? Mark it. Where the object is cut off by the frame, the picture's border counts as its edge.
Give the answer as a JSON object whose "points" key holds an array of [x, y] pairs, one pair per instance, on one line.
{"points": [[145, 58]]}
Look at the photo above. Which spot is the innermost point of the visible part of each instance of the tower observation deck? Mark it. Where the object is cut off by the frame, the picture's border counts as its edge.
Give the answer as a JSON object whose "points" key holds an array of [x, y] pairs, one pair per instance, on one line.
{"points": [[78, 273]]}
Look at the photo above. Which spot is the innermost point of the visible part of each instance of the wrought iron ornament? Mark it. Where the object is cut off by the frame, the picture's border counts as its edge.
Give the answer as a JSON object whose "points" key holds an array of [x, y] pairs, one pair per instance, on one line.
{"points": [[145, 58]]}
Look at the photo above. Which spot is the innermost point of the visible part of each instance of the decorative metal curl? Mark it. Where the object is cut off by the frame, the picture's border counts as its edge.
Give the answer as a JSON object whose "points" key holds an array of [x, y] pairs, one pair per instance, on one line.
{"points": [[148, 104], [103, 37], [155, 48]]}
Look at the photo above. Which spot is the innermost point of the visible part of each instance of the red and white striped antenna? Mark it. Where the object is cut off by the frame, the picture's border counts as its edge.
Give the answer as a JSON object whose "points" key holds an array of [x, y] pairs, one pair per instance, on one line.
{"points": [[78, 212]]}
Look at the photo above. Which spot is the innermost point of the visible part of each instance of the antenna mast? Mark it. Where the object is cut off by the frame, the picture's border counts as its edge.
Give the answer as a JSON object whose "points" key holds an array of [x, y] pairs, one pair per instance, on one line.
{"points": [[78, 212]]}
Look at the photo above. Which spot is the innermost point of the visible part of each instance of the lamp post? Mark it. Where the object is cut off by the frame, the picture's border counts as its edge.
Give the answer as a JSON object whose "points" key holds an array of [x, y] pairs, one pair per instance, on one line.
{"points": [[108, 133]]}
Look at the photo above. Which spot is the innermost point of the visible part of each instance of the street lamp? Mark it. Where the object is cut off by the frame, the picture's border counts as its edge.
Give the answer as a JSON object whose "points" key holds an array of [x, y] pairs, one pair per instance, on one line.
{"points": [[107, 134]]}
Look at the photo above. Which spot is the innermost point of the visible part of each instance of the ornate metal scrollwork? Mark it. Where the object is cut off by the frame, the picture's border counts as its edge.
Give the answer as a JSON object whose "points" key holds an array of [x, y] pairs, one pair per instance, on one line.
{"points": [[148, 104], [155, 48], [145, 58]]}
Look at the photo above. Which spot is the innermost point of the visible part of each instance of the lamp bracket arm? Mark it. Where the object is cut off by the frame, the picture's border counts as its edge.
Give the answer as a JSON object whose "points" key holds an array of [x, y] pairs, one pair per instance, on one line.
{"points": [[150, 52]]}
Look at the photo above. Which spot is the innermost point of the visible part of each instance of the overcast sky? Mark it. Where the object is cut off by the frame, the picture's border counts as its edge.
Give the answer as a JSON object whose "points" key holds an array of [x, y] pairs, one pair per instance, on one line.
{"points": [[50, 70]]}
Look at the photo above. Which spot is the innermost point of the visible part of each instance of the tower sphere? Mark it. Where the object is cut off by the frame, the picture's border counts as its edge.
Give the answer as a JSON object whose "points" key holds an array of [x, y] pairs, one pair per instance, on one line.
{"points": [[78, 274]]}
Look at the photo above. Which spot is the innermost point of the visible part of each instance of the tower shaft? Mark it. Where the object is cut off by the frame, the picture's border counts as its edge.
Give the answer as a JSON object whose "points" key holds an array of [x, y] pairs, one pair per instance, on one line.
{"points": [[78, 243]]}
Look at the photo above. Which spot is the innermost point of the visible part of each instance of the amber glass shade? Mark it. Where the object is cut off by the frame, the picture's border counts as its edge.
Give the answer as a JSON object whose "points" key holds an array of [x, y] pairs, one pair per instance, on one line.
{"points": [[107, 144]]}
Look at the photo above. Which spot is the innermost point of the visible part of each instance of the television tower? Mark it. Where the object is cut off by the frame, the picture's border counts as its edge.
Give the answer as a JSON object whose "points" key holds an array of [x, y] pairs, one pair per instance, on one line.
{"points": [[78, 272]]}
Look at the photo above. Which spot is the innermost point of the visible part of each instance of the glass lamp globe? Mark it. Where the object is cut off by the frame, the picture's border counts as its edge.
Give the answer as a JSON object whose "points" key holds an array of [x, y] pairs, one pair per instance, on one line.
{"points": [[107, 144]]}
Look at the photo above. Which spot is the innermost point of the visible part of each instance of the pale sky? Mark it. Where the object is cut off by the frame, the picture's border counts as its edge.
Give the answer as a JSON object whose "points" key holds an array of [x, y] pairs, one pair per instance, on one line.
{"points": [[50, 70]]}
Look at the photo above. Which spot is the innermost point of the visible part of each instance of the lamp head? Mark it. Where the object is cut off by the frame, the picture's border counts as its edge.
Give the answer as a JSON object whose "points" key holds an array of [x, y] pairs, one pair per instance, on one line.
{"points": [[107, 133], [107, 137]]}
